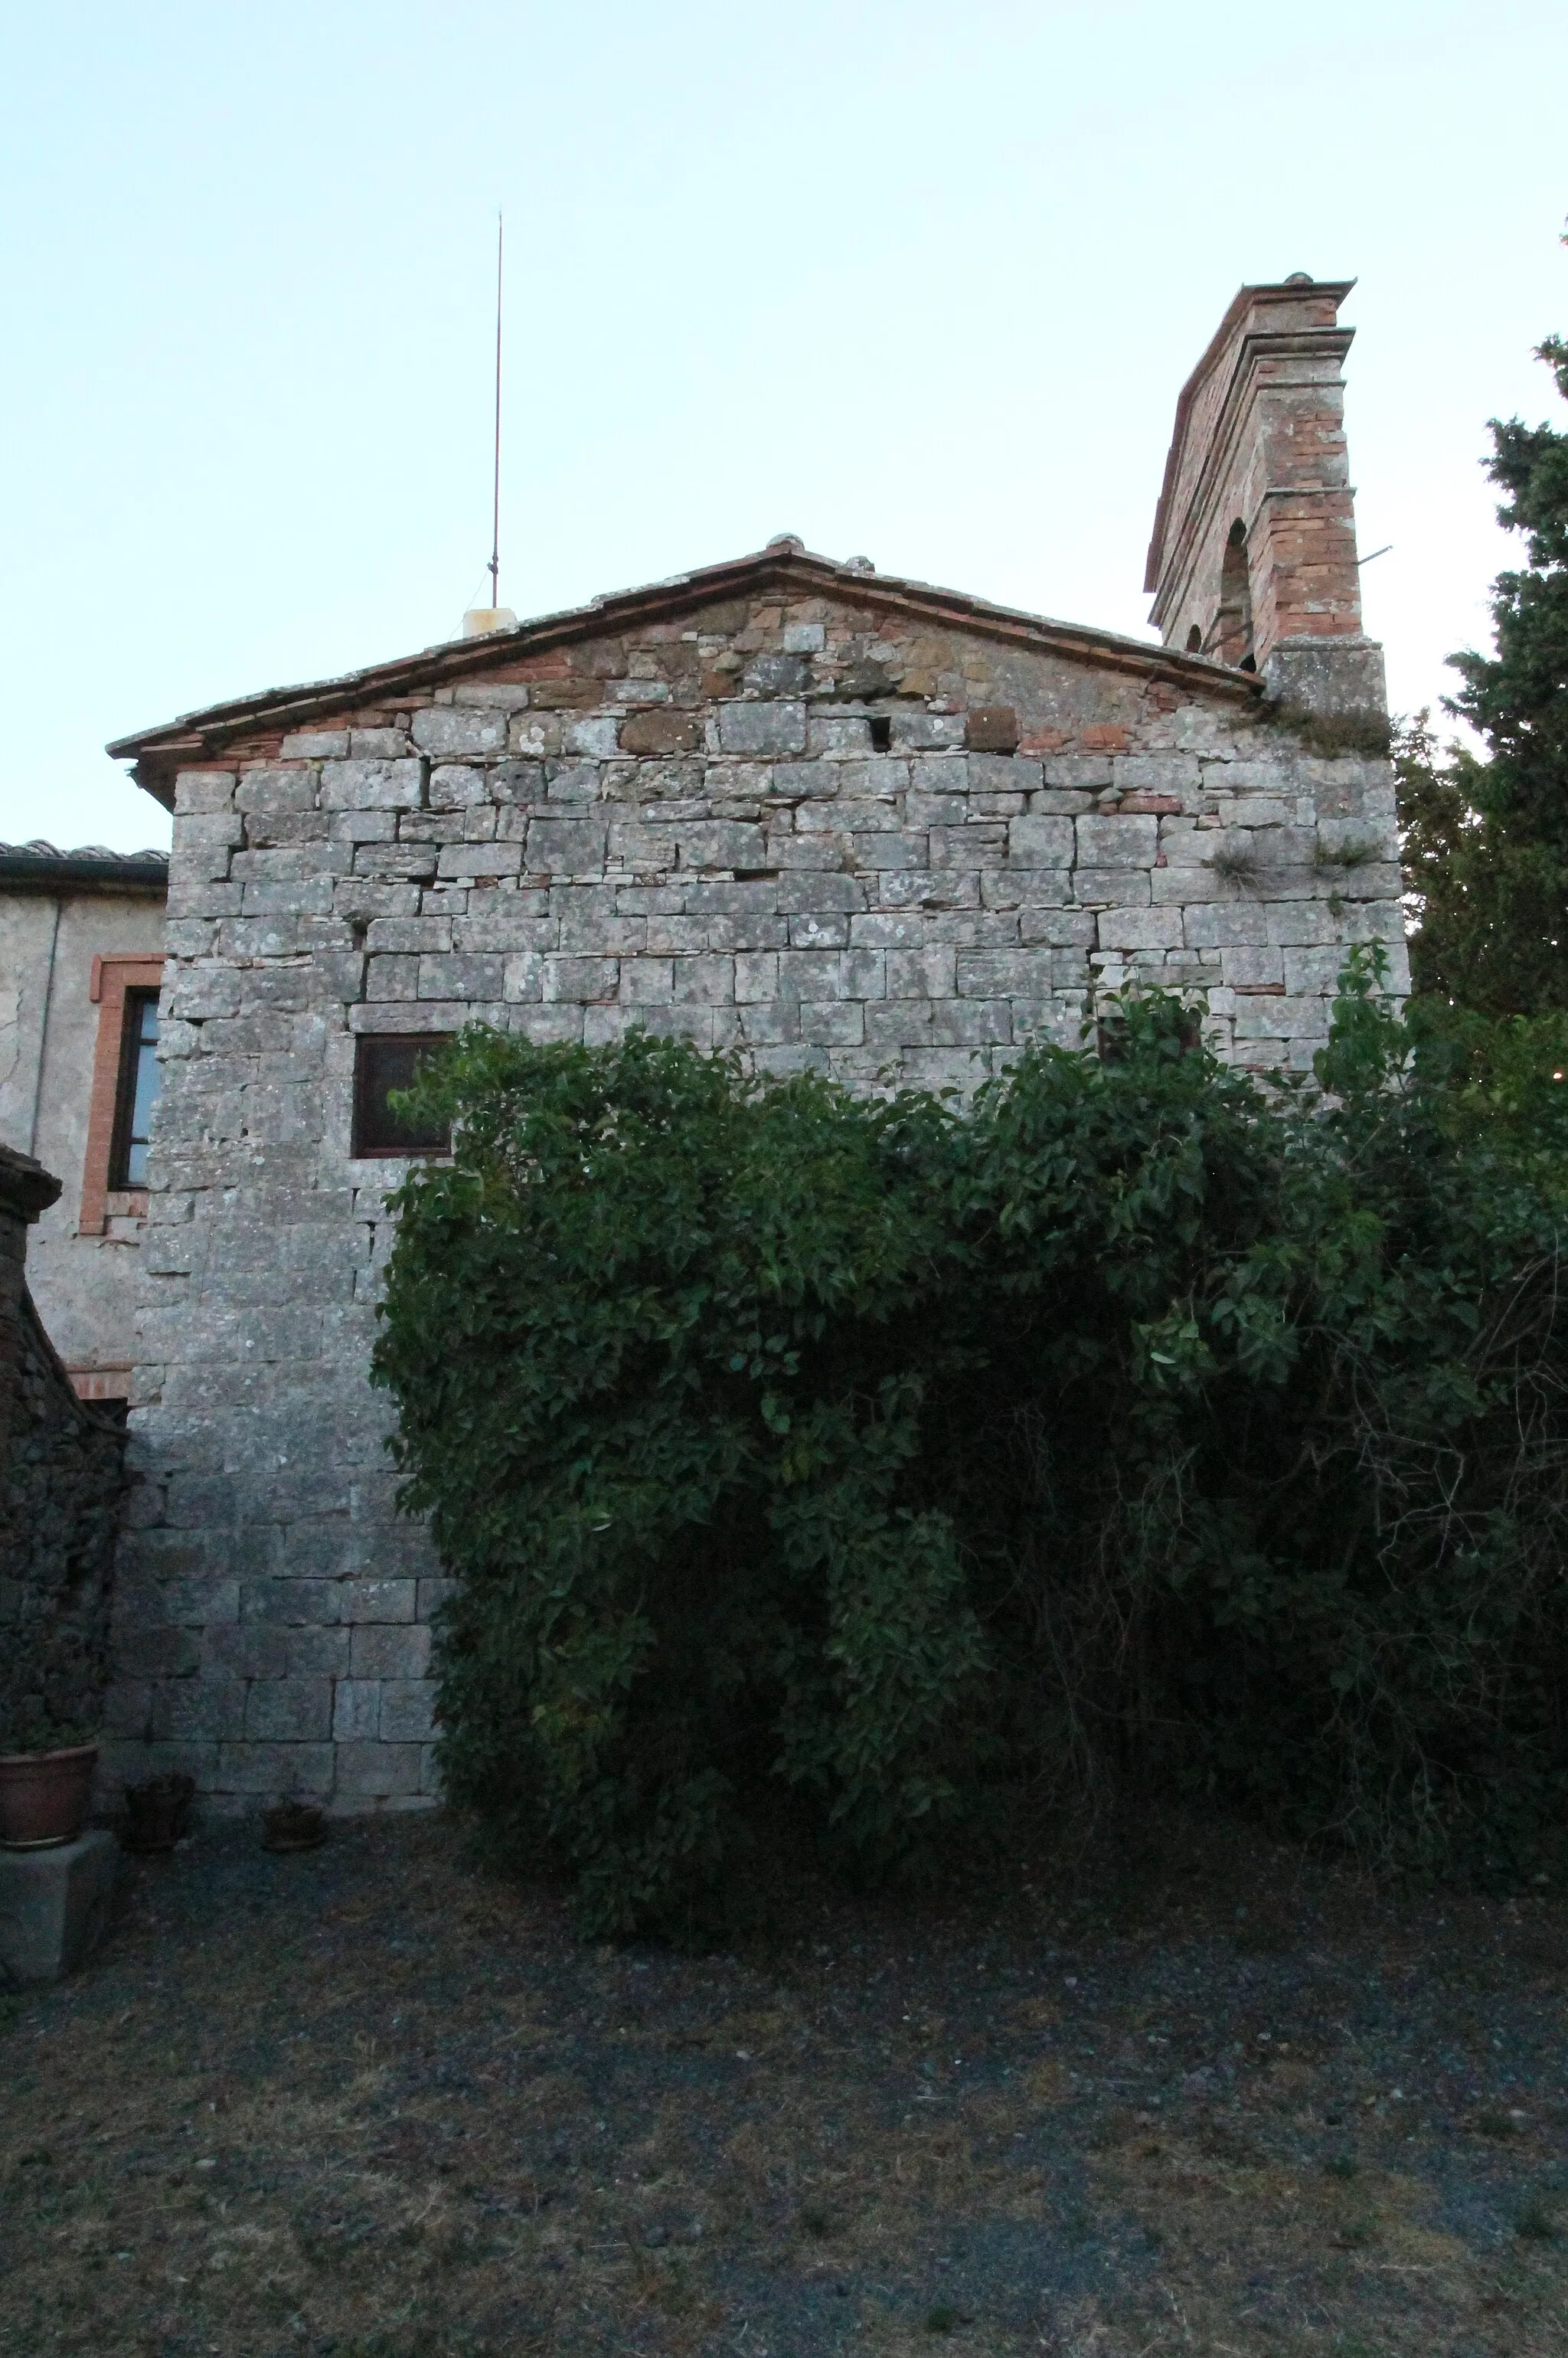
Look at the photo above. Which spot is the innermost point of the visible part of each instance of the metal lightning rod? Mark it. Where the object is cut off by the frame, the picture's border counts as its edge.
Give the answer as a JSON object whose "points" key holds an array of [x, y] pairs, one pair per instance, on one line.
{"points": [[495, 506]]}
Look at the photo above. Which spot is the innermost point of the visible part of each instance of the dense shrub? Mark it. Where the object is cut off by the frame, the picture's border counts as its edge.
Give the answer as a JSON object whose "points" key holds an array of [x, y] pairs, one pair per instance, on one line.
{"points": [[1135, 1423]]}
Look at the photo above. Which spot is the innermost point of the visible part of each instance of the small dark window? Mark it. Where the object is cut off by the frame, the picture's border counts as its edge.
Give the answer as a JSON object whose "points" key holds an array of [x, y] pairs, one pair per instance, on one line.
{"points": [[882, 733], [384, 1062], [141, 1077], [1195, 640]]}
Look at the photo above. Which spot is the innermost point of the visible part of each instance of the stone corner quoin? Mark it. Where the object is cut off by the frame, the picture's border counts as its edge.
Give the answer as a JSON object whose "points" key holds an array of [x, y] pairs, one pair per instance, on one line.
{"points": [[802, 825]]}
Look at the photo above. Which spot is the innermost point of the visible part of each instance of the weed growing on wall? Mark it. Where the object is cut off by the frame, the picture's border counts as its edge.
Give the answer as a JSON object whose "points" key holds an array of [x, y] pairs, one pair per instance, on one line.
{"points": [[1135, 1423]]}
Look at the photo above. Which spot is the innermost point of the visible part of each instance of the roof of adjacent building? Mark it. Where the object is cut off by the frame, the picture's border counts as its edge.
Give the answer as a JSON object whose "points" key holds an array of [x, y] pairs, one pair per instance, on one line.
{"points": [[784, 564], [39, 867]]}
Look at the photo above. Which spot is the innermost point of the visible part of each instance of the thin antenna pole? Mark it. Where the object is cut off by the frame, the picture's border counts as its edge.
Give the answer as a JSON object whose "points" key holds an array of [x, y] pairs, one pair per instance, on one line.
{"points": [[495, 507]]}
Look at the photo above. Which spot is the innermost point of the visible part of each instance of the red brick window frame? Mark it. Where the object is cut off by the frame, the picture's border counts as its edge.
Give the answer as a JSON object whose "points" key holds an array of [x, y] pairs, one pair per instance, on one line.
{"points": [[117, 979]]}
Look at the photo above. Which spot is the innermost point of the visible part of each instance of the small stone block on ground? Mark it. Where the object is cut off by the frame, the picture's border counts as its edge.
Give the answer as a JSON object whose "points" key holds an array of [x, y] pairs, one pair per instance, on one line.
{"points": [[54, 1906]]}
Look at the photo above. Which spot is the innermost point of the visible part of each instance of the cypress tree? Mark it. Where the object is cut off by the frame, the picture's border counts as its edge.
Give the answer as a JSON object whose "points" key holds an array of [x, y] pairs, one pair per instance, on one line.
{"points": [[1486, 842]]}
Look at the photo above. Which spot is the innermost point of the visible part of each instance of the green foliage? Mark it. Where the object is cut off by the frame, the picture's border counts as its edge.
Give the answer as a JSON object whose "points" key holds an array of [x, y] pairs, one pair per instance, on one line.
{"points": [[1137, 1423], [1331, 734], [1488, 842]]}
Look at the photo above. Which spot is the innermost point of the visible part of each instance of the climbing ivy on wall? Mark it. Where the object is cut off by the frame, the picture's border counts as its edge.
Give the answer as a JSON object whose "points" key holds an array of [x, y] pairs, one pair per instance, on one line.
{"points": [[1135, 1423]]}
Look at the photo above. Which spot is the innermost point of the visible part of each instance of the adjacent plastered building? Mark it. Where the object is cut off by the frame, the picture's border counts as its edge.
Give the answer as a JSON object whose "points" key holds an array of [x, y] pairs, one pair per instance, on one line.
{"points": [[786, 805], [81, 968]]}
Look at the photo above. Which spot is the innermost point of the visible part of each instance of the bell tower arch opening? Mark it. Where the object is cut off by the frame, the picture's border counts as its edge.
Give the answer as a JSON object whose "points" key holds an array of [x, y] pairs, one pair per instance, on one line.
{"points": [[1233, 619]]}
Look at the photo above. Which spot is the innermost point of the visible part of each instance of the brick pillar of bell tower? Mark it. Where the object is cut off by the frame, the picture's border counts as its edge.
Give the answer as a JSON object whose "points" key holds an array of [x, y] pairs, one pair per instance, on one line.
{"points": [[1253, 557]]}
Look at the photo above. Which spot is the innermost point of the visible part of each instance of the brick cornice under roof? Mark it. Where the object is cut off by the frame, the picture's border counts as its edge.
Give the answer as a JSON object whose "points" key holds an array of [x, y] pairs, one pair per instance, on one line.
{"points": [[39, 867], [197, 737]]}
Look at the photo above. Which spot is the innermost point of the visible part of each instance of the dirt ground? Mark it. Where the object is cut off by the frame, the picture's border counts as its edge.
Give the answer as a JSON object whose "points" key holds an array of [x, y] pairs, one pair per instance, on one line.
{"points": [[376, 2102]]}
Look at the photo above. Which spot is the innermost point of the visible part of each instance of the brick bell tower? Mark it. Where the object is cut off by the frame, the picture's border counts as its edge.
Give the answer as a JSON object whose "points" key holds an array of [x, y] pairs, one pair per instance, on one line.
{"points": [[1253, 557]]}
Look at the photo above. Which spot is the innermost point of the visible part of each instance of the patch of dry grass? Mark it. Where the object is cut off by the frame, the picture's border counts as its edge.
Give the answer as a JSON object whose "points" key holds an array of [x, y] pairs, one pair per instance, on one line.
{"points": [[376, 2103]]}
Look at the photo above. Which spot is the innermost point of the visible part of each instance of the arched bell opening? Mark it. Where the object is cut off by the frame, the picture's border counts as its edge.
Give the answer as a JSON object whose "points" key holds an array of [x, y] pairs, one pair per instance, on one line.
{"points": [[1233, 624]]}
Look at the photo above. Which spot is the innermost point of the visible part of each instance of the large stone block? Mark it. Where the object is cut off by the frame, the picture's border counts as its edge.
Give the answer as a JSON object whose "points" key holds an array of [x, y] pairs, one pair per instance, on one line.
{"points": [[407, 1711], [927, 973], [1114, 888], [1003, 974], [763, 728], [1141, 929], [55, 1906], [1109, 841], [449, 730], [244, 1651], [720, 844], [1331, 675], [1247, 968], [289, 1711], [210, 1707], [971, 1022], [316, 1653], [367, 1771], [255, 1769], [390, 1653], [203, 790], [1036, 841], [561, 846], [290, 789], [356, 1710], [371, 786], [460, 860], [381, 1601]]}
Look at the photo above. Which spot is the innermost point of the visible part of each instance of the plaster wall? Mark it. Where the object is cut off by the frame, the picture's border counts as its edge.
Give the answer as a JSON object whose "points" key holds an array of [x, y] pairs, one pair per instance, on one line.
{"points": [[805, 827], [27, 924], [85, 1287]]}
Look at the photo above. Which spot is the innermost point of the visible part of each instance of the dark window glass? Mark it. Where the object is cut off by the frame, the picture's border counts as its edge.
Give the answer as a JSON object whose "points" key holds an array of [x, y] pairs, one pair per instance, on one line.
{"points": [[382, 1065], [141, 1077]]}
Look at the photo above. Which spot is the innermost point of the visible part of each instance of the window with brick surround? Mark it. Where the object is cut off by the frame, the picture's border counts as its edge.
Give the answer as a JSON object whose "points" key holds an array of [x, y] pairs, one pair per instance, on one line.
{"points": [[140, 1074], [384, 1062], [126, 1078]]}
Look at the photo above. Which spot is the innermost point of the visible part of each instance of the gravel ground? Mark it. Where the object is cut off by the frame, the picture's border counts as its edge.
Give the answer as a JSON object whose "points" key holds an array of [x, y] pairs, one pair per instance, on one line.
{"points": [[376, 2102]]}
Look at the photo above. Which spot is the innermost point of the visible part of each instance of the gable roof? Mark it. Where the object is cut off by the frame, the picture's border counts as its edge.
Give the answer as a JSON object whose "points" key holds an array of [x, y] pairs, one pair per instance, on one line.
{"points": [[784, 564]]}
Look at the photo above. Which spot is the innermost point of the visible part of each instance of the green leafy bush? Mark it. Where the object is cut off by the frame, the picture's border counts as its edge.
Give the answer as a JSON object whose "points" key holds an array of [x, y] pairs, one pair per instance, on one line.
{"points": [[1135, 1423]]}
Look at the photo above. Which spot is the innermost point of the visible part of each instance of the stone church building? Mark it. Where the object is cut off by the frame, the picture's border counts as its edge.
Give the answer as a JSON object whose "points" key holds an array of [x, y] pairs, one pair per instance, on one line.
{"points": [[785, 805]]}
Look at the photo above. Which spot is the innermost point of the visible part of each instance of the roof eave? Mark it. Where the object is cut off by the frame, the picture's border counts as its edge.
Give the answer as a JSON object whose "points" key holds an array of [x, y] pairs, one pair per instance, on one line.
{"points": [[125, 875]]}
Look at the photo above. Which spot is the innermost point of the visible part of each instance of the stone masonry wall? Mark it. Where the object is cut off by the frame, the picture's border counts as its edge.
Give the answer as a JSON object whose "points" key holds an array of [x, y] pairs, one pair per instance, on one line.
{"points": [[806, 825], [61, 1474]]}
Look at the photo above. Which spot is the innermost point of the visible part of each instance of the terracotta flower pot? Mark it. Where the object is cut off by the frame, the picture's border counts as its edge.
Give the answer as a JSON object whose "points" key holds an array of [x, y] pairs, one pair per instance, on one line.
{"points": [[293, 1825], [44, 1795], [156, 1812]]}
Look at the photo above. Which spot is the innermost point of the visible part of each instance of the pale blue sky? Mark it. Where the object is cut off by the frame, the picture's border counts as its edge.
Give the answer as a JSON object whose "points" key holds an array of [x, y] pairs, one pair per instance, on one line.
{"points": [[908, 280]]}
